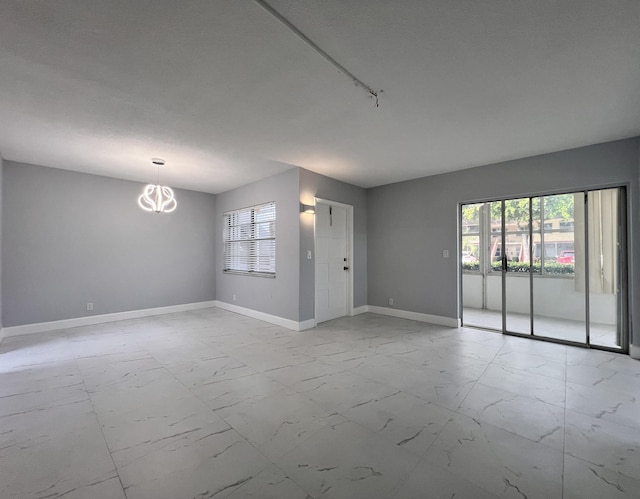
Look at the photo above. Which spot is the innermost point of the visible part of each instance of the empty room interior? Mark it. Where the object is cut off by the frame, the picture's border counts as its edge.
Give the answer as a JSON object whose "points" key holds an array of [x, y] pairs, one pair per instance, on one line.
{"points": [[319, 249]]}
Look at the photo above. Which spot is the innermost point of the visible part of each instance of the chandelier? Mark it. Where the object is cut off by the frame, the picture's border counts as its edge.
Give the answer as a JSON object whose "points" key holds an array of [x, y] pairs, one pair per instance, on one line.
{"points": [[157, 198]]}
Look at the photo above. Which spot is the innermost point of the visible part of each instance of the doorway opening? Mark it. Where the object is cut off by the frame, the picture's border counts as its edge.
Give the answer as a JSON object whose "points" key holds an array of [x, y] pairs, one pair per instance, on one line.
{"points": [[333, 233], [552, 267]]}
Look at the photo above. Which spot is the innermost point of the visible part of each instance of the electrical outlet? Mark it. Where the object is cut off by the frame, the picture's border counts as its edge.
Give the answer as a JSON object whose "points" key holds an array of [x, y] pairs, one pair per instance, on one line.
{"points": [[390, 301], [308, 254], [234, 297], [445, 253], [89, 307]]}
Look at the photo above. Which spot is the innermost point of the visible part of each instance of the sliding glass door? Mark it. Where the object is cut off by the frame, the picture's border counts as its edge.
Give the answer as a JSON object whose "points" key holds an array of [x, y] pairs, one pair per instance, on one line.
{"points": [[606, 221], [552, 267], [517, 265], [480, 258], [559, 295]]}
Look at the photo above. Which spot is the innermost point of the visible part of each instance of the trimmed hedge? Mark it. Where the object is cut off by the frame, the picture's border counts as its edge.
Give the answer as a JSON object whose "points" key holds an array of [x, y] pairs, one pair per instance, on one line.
{"points": [[470, 266], [552, 268]]}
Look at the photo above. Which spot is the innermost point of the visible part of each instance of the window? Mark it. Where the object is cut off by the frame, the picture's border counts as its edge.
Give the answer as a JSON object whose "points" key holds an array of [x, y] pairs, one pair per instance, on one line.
{"points": [[470, 237], [250, 240], [557, 235], [539, 235]]}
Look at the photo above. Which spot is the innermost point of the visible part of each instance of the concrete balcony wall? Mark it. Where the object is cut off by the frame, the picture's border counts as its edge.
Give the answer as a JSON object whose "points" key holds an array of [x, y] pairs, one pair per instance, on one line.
{"points": [[554, 297]]}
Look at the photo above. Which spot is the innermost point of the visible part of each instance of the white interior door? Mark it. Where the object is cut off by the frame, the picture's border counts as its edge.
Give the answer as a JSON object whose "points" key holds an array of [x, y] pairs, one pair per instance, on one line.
{"points": [[332, 261]]}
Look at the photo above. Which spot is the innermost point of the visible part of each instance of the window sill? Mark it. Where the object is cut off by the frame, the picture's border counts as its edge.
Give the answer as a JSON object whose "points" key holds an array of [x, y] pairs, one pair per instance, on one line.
{"points": [[251, 274]]}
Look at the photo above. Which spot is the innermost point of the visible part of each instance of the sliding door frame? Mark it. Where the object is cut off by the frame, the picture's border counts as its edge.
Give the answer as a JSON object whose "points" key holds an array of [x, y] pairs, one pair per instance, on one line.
{"points": [[622, 303]]}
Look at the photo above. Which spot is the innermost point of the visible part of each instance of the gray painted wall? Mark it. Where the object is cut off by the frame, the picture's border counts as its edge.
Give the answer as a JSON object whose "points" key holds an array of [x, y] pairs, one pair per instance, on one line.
{"points": [[411, 223], [277, 296], [70, 238], [1, 178], [315, 185]]}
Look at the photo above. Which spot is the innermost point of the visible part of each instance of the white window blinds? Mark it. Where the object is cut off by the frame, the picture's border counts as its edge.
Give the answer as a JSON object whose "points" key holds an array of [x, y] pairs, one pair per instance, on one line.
{"points": [[250, 240]]}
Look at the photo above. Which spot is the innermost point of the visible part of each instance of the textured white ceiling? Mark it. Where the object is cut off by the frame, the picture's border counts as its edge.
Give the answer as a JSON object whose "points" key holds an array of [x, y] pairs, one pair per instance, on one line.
{"points": [[227, 95]]}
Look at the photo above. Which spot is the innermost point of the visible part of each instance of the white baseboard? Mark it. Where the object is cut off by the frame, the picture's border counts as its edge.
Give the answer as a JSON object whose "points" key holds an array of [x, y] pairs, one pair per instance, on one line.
{"points": [[360, 310], [415, 316], [272, 319], [42, 327], [634, 351], [308, 324]]}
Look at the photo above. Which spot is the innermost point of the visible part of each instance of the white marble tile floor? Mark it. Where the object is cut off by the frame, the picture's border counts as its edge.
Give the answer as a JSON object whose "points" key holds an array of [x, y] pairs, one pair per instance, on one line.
{"points": [[211, 404], [603, 335]]}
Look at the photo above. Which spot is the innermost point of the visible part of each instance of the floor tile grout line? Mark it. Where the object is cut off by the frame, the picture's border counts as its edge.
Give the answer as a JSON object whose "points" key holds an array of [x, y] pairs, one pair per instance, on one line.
{"points": [[397, 489], [106, 443], [319, 429], [204, 402], [484, 422], [150, 355], [456, 410], [398, 486], [480, 376]]}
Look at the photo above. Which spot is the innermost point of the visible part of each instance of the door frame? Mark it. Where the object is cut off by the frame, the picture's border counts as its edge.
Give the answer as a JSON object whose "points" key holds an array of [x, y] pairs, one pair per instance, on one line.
{"points": [[349, 294]]}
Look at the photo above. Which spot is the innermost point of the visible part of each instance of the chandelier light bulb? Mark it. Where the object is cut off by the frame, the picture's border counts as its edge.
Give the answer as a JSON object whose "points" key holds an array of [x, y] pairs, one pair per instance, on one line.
{"points": [[157, 198]]}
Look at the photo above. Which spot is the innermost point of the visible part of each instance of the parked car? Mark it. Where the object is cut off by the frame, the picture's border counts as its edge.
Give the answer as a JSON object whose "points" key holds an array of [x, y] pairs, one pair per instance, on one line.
{"points": [[567, 256], [467, 257]]}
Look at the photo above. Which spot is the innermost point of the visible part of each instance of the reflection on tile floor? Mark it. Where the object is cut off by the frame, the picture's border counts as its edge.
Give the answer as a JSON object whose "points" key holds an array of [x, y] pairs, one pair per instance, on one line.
{"points": [[550, 327], [210, 404]]}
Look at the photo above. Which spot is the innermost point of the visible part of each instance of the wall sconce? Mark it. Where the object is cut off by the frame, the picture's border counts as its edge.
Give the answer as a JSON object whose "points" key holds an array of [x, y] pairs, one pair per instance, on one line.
{"points": [[307, 208]]}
